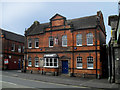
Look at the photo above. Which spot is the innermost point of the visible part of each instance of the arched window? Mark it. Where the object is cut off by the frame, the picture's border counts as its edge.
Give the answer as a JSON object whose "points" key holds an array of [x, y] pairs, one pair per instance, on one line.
{"points": [[90, 62], [29, 61], [36, 62], [64, 41], [89, 39], [79, 39], [79, 62], [51, 41]]}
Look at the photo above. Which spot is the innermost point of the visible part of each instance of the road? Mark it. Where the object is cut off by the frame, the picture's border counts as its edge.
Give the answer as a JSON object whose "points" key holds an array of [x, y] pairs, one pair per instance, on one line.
{"points": [[15, 82]]}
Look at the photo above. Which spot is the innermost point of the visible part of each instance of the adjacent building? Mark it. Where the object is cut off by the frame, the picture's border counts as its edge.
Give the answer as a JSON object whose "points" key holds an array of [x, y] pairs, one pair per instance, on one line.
{"points": [[12, 50], [114, 49], [73, 47]]}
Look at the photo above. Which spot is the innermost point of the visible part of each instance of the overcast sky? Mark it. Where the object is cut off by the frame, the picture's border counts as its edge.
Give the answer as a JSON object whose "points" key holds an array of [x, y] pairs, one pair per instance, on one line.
{"points": [[16, 16]]}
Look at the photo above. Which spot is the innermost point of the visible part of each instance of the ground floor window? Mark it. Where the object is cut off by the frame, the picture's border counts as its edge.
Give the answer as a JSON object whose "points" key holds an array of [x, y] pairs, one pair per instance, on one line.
{"points": [[36, 62], [79, 62], [51, 62], [90, 62], [29, 61]]}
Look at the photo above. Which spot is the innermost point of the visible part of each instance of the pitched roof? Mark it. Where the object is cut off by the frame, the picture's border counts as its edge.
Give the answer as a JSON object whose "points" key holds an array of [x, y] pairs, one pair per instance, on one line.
{"points": [[36, 29], [83, 23], [12, 36], [79, 23]]}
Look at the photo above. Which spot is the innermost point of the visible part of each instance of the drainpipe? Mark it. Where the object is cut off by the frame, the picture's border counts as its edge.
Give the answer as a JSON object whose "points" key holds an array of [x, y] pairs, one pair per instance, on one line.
{"points": [[73, 54], [72, 74], [25, 53], [96, 50]]}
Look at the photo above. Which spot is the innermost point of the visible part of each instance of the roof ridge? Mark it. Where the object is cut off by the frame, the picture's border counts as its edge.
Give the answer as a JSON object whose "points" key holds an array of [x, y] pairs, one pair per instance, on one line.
{"points": [[12, 32]]}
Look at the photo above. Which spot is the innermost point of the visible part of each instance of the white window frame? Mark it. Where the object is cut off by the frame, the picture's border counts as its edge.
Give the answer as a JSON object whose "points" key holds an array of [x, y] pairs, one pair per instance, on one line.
{"points": [[91, 58], [79, 38], [29, 59], [64, 39], [77, 62], [29, 41], [49, 63], [36, 40], [13, 45], [19, 49], [89, 37], [51, 38], [35, 62]]}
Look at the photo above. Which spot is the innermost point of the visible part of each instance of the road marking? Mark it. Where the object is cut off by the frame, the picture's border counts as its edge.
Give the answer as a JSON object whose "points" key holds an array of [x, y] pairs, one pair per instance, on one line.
{"points": [[9, 83], [48, 82]]}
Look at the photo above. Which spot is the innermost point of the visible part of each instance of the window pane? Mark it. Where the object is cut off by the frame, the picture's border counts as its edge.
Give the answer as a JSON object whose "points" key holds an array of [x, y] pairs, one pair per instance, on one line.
{"points": [[51, 41], [89, 38], [47, 63], [51, 64], [79, 39], [64, 40], [79, 62], [90, 62]]}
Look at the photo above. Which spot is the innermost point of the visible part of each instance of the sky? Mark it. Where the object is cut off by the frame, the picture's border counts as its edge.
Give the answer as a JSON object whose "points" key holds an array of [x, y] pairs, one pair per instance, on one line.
{"points": [[18, 16]]}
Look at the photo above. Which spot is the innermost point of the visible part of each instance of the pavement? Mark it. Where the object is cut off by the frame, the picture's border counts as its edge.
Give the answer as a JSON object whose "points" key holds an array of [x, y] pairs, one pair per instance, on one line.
{"points": [[66, 80]]}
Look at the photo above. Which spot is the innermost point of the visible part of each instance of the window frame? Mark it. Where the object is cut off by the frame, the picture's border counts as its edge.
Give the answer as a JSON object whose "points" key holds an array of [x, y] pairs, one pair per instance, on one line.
{"points": [[90, 62], [51, 38], [53, 63], [78, 39], [19, 49], [36, 59], [89, 37], [36, 40], [64, 39], [13, 45], [29, 59], [77, 63], [29, 41]]}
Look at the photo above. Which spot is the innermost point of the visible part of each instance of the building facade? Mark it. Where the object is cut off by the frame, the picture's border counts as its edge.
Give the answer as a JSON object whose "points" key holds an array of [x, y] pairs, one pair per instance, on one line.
{"points": [[73, 47], [11, 52], [114, 49]]}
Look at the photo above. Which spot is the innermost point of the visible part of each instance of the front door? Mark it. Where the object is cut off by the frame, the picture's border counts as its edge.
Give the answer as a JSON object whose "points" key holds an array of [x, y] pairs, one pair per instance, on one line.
{"points": [[65, 67]]}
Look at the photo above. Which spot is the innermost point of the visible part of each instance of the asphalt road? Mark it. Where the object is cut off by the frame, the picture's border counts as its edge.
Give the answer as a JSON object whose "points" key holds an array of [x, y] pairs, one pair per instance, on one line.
{"points": [[15, 82]]}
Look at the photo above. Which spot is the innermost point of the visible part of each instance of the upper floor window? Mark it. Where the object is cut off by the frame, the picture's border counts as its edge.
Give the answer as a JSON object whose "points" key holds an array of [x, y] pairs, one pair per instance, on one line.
{"points": [[79, 62], [29, 61], [29, 43], [13, 47], [36, 43], [90, 62], [89, 39], [51, 41], [64, 41], [79, 39], [19, 49], [36, 62]]}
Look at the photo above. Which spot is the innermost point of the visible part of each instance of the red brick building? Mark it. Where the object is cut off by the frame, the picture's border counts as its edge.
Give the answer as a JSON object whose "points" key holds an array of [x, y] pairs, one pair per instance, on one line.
{"points": [[11, 52], [71, 47]]}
